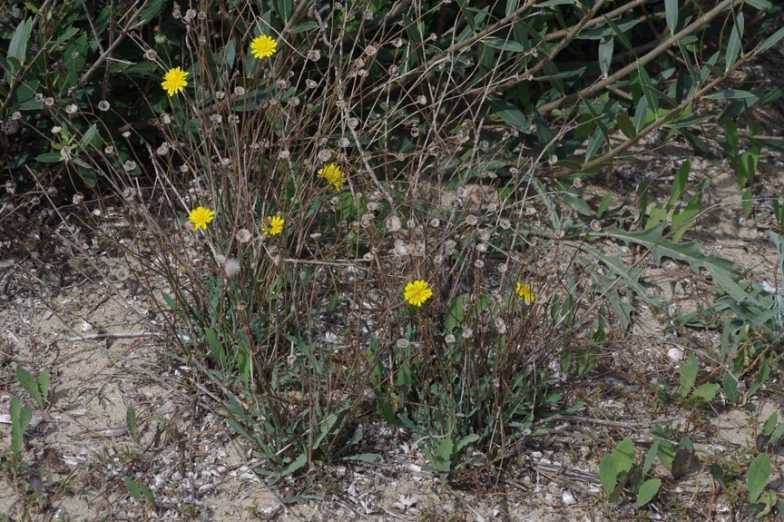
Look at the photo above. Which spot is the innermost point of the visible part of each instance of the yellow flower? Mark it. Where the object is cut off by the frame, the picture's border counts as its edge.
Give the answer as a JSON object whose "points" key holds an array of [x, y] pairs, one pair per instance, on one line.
{"points": [[174, 81], [263, 47], [272, 226], [526, 292], [200, 217], [417, 292], [333, 174]]}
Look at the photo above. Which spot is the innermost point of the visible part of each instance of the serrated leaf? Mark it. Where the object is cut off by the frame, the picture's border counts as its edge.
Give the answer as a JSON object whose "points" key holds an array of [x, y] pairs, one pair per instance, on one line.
{"points": [[647, 491], [757, 476]]}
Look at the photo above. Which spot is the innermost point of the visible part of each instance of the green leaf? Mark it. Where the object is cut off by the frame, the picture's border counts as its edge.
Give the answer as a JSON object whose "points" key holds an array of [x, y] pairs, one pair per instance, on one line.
{"points": [[607, 474], [456, 313], [707, 392], [307, 26], [444, 455], [770, 424], [372, 458], [650, 457], [647, 89], [647, 491], [604, 204], [623, 456], [688, 375], [618, 33], [671, 14], [606, 47], [298, 463], [625, 124], [679, 183], [154, 9], [733, 47], [18, 47], [509, 113], [730, 387], [715, 471], [133, 488], [504, 45], [88, 137], [640, 113], [730, 94], [30, 385], [776, 435], [682, 220], [465, 441], [770, 42], [757, 476], [49, 157], [130, 420], [25, 416], [43, 384]]}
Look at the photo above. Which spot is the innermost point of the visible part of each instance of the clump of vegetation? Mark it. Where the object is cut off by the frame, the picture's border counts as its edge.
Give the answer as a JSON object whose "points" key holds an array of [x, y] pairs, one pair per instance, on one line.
{"points": [[370, 213]]}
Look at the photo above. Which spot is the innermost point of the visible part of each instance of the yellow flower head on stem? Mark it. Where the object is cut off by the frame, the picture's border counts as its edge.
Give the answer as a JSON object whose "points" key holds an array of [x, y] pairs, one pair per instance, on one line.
{"points": [[272, 226], [333, 174], [417, 292], [263, 47], [526, 292], [174, 81], [201, 217]]}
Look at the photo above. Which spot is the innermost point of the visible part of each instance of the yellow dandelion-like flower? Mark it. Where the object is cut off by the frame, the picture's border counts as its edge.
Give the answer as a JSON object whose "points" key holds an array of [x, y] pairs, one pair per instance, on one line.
{"points": [[174, 81], [263, 47], [526, 292], [201, 217], [272, 226], [417, 292], [333, 174]]}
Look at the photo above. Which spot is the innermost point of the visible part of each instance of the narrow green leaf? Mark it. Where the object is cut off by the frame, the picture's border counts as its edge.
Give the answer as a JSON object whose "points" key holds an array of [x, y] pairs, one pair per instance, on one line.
{"points": [[298, 463], [504, 45], [730, 94], [18, 47], [679, 183], [619, 34], [625, 124], [133, 488], [372, 458], [733, 47], [43, 384], [757, 476], [30, 385], [715, 471], [770, 424], [650, 457], [671, 14], [640, 114], [49, 157], [688, 375], [647, 89], [770, 42], [647, 491], [730, 387], [509, 113], [130, 420], [606, 47], [776, 435]]}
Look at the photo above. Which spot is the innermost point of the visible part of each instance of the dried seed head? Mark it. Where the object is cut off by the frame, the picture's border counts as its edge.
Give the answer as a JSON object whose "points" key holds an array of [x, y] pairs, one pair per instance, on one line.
{"points": [[553, 159], [352, 123], [368, 256], [244, 235], [126, 134], [371, 50], [284, 154], [467, 332], [403, 343], [310, 84], [450, 244], [166, 119], [393, 224], [103, 106], [239, 90], [49, 101], [398, 42], [449, 339], [471, 220], [151, 55], [129, 194], [163, 149], [325, 154], [129, 165], [577, 183], [72, 108], [314, 55], [343, 142], [202, 16], [530, 211], [435, 222], [503, 268], [484, 234], [505, 224], [479, 263], [368, 14], [231, 267], [365, 220], [596, 225], [78, 198], [422, 100], [184, 168], [108, 150]]}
